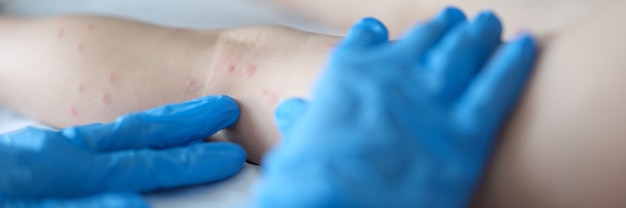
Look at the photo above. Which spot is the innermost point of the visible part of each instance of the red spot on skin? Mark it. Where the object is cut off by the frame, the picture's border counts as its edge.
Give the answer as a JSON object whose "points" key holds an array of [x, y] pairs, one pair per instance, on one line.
{"points": [[111, 77], [333, 46], [273, 99], [264, 92], [81, 87], [231, 68], [105, 99], [179, 30], [91, 27], [73, 111], [250, 70], [80, 46], [60, 33]]}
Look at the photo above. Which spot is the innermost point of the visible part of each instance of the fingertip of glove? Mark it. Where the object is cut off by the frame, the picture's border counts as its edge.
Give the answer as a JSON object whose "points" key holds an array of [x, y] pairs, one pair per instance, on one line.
{"points": [[229, 104], [527, 40], [451, 13], [223, 101], [488, 20], [288, 106], [288, 112], [528, 47], [232, 157], [525, 43], [289, 109], [221, 106], [368, 27], [372, 24], [233, 151]]}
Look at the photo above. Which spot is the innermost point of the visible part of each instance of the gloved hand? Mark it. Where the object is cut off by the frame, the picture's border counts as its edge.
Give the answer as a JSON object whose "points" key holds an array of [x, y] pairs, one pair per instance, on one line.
{"points": [[106, 200], [158, 148], [409, 123]]}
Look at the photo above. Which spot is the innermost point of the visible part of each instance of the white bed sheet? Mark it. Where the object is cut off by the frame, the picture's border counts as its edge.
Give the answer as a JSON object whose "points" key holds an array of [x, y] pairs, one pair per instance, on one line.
{"points": [[198, 14]]}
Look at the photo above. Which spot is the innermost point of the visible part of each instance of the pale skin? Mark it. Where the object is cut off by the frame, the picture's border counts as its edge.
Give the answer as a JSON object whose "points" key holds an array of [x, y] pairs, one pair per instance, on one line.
{"points": [[562, 147], [98, 74]]}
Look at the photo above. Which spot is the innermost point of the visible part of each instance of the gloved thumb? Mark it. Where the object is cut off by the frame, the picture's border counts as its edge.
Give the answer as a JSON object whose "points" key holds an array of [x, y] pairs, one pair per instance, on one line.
{"points": [[367, 32], [288, 113]]}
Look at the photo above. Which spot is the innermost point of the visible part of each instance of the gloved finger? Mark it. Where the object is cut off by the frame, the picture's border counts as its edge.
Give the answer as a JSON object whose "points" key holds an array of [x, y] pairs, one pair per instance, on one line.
{"points": [[146, 170], [34, 161], [158, 128], [288, 113], [494, 91], [101, 200], [460, 55], [367, 32], [423, 37]]}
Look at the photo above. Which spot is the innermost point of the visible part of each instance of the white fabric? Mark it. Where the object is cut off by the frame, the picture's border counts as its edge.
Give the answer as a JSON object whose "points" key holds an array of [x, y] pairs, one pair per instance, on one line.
{"points": [[234, 192]]}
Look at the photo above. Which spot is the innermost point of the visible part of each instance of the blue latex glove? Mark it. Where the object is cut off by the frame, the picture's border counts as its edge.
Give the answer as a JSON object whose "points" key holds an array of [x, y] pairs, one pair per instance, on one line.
{"points": [[409, 123], [158, 148], [106, 200]]}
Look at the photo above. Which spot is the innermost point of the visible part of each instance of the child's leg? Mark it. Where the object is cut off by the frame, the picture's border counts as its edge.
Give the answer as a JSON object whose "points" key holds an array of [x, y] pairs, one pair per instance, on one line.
{"points": [[74, 70]]}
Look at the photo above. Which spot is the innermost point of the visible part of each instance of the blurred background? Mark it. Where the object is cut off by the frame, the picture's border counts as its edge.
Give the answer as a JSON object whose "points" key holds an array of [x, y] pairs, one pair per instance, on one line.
{"points": [[195, 14]]}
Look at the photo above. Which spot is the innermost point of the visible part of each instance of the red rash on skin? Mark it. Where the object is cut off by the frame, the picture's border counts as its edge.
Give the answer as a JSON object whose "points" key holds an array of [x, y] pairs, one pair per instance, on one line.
{"points": [[80, 46], [73, 111], [111, 77], [273, 99], [231, 68], [81, 87], [60, 33], [333, 46], [105, 99], [90, 27], [178, 30], [250, 70]]}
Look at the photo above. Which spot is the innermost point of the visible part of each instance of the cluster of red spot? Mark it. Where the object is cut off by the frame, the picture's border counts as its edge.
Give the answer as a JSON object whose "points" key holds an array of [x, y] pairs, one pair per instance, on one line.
{"points": [[73, 111], [231, 68], [105, 99], [80, 46], [111, 77], [333, 46], [248, 71], [271, 97], [60, 33]]}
